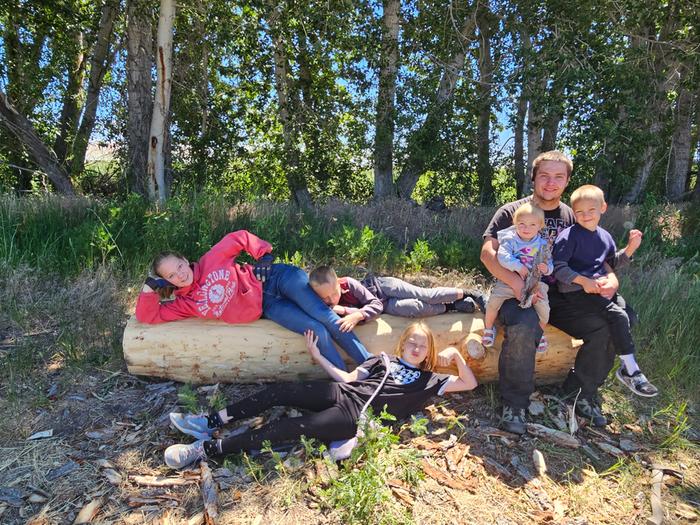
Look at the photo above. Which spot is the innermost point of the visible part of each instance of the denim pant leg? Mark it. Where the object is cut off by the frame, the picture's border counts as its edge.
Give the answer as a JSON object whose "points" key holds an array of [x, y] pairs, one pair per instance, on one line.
{"points": [[596, 356], [293, 284], [288, 314], [516, 364]]}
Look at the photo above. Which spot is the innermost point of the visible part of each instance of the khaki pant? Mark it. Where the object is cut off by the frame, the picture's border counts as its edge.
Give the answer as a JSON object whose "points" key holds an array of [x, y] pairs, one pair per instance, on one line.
{"points": [[502, 292]]}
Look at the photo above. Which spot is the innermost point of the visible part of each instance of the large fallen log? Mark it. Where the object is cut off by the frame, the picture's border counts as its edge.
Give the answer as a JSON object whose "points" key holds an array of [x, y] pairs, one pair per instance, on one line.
{"points": [[199, 351]]}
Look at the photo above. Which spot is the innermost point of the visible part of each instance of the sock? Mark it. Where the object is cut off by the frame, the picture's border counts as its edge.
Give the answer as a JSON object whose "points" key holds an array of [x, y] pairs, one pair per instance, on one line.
{"points": [[629, 363], [212, 447], [214, 420]]}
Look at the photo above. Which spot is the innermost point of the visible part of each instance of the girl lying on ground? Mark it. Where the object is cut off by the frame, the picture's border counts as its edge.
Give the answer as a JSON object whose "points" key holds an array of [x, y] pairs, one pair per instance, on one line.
{"points": [[216, 287], [403, 382]]}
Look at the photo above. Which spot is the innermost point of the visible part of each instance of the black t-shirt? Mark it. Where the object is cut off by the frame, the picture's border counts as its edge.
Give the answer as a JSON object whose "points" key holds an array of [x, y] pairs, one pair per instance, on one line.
{"points": [[406, 389], [554, 220]]}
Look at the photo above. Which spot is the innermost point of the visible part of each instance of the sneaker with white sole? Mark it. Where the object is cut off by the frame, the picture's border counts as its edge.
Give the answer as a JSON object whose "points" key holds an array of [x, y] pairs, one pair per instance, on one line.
{"points": [[512, 420], [590, 409], [180, 456], [193, 425], [637, 383]]}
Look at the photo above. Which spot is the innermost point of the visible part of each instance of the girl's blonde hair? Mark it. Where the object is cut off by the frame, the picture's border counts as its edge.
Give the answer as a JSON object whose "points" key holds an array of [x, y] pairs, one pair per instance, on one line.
{"points": [[529, 209], [430, 361]]}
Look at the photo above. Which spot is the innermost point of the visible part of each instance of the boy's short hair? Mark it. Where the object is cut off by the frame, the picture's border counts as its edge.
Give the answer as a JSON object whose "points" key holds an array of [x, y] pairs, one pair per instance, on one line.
{"points": [[529, 209], [588, 191], [322, 275], [555, 156]]}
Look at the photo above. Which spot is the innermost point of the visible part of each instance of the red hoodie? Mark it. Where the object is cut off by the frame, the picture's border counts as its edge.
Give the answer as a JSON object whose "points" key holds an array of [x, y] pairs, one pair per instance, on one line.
{"points": [[220, 289]]}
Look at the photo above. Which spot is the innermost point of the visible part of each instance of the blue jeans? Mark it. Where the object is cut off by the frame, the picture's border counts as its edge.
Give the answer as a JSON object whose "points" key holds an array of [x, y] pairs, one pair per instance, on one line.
{"points": [[289, 301]]}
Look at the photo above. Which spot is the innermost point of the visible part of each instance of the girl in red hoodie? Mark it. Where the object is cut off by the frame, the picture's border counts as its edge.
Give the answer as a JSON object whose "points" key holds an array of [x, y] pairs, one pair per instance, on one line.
{"points": [[216, 287]]}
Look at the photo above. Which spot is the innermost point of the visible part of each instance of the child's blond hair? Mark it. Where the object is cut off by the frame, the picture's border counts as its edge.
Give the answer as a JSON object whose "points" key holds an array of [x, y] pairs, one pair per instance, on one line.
{"points": [[588, 192], [322, 275], [430, 361], [529, 209]]}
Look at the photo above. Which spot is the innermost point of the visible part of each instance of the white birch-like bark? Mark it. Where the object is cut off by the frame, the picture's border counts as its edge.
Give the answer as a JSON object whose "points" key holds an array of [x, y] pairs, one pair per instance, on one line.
{"points": [[161, 107]]}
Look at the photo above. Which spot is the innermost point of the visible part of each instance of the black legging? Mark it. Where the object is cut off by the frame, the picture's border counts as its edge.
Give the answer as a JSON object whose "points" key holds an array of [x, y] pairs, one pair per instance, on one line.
{"points": [[334, 418]]}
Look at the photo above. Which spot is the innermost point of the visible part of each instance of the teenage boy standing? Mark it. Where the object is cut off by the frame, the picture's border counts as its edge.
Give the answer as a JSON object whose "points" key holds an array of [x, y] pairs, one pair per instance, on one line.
{"points": [[551, 172]]}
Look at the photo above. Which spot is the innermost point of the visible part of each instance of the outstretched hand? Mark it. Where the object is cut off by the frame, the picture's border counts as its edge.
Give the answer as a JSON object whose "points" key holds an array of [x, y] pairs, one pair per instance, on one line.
{"points": [[348, 323], [312, 344], [447, 356]]}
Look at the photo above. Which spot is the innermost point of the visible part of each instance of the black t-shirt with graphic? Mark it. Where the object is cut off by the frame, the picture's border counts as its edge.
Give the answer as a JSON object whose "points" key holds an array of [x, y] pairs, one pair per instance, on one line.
{"points": [[406, 389], [554, 220]]}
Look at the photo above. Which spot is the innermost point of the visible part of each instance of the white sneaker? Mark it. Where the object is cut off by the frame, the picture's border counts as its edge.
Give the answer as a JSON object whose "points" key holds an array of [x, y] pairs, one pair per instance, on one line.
{"points": [[179, 456]]}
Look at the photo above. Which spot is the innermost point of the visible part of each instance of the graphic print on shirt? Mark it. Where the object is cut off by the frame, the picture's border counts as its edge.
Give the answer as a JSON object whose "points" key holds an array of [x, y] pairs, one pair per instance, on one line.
{"points": [[403, 375], [526, 255], [216, 292], [552, 228]]}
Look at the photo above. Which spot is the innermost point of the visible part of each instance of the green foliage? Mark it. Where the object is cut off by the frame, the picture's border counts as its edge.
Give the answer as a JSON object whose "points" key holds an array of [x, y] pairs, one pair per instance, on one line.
{"points": [[188, 399], [421, 256], [419, 425], [360, 493]]}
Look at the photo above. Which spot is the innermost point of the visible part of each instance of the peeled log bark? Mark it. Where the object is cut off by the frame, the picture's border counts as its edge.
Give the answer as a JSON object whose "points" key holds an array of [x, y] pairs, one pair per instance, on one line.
{"points": [[199, 351]]}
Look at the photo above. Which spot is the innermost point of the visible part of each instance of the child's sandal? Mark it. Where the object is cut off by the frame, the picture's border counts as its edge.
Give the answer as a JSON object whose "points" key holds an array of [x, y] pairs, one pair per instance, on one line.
{"points": [[489, 337], [542, 345]]}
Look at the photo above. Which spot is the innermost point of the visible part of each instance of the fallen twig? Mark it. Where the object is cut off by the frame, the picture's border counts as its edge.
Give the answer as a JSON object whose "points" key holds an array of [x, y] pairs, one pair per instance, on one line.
{"points": [[209, 495], [160, 481], [555, 436]]}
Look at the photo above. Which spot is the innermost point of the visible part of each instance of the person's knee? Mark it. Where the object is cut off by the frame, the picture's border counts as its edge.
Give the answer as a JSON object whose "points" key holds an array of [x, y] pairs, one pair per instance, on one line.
{"points": [[511, 314]]}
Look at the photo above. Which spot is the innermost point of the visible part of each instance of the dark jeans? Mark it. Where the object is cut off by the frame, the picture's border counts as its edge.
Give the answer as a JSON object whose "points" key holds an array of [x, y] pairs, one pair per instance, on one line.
{"points": [[289, 301], [333, 418], [596, 357], [516, 364], [614, 310]]}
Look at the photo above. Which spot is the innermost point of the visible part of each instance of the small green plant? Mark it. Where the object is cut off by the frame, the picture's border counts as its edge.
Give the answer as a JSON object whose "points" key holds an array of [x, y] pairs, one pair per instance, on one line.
{"points": [[421, 256], [253, 468], [360, 493], [276, 457], [187, 398], [217, 401], [418, 425]]}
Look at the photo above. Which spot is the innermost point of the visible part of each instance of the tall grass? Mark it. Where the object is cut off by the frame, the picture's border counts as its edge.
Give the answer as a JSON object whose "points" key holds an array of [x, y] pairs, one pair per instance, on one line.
{"points": [[665, 293], [64, 236]]}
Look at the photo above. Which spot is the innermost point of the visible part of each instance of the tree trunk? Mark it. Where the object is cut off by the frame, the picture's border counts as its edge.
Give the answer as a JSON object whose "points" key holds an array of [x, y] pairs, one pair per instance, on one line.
{"points": [[483, 164], [139, 102], [384, 126], [518, 149], [22, 61], [534, 139], [284, 87], [18, 125], [70, 113], [679, 166], [157, 188], [99, 65], [421, 141]]}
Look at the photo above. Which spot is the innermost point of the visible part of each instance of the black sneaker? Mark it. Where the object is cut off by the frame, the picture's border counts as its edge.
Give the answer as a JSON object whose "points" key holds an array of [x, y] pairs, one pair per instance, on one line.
{"points": [[478, 298], [465, 305], [512, 420], [590, 409], [637, 383]]}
